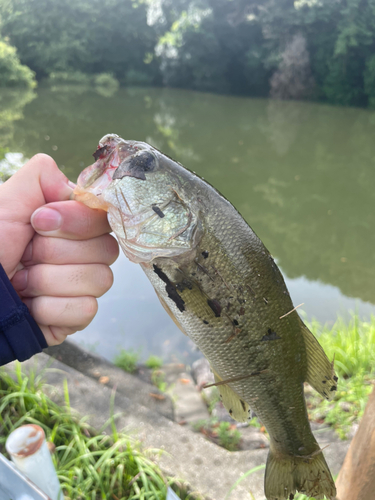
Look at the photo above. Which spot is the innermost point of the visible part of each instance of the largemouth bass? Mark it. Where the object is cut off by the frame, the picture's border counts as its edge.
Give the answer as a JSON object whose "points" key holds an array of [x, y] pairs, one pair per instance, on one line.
{"points": [[223, 289]]}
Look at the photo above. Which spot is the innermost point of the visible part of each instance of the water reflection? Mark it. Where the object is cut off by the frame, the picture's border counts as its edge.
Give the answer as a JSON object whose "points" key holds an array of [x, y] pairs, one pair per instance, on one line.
{"points": [[301, 174], [12, 103]]}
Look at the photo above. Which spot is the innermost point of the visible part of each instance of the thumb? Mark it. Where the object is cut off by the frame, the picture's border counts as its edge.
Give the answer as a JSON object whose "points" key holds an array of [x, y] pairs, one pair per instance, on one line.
{"points": [[35, 184]]}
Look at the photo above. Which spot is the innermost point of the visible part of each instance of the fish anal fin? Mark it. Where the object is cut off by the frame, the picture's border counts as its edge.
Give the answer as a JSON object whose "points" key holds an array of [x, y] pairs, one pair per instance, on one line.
{"points": [[320, 371], [237, 408]]}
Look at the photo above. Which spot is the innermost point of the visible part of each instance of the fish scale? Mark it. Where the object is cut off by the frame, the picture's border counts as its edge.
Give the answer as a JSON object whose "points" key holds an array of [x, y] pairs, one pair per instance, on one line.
{"points": [[221, 286]]}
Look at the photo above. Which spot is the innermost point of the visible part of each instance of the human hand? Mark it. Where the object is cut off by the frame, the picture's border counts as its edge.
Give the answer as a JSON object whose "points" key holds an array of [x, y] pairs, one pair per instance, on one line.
{"points": [[57, 257]]}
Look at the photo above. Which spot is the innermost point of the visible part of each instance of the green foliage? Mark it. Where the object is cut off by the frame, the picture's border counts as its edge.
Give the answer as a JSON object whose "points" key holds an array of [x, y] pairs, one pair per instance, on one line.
{"points": [[89, 464], [106, 80], [223, 433], [232, 46], [106, 84], [352, 346], [228, 437], [127, 360], [91, 36], [69, 77], [158, 379], [12, 72], [2, 152], [12, 104], [154, 362]]}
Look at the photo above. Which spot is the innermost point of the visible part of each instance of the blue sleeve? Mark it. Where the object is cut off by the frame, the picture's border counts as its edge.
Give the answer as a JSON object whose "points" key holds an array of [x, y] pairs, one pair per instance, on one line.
{"points": [[20, 336]]}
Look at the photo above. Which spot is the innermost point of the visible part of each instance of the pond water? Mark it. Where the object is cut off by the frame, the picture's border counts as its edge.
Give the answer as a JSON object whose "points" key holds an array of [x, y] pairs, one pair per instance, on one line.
{"points": [[301, 174]]}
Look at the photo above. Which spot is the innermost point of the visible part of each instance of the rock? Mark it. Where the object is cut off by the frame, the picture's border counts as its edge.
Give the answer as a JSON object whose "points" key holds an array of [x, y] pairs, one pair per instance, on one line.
{"points": [[202, 373]]}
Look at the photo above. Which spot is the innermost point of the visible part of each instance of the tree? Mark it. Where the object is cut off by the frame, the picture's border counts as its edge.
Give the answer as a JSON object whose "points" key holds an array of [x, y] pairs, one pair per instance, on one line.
{"points": [[12, 72]]}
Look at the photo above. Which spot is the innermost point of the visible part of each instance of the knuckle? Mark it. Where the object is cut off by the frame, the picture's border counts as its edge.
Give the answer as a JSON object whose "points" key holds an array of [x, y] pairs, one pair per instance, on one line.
{"points": [[89, 308], [45, 249], [40, 310], [35, 280], [111, 248], [45, 160], [105, 278]]}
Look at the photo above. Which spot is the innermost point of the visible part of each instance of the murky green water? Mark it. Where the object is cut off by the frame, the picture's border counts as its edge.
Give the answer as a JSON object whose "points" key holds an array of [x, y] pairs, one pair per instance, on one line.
{"points": [[302, 175]]}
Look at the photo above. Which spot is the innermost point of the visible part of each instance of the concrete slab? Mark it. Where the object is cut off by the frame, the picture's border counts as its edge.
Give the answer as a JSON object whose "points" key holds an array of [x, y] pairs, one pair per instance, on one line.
{"points": [[106, 373]]}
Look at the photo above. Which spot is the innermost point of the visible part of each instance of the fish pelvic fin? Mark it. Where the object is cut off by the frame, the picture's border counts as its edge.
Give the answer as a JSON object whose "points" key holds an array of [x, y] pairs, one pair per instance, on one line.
{"points": [[320, 371], [237, 407], [287, 474]]}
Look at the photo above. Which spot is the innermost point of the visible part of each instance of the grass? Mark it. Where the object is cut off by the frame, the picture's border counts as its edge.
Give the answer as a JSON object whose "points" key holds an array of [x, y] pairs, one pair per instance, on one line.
{"points": [[352, 346], [158, 379], [222, 433], [154, 362], [90, 464], [127, 360]]}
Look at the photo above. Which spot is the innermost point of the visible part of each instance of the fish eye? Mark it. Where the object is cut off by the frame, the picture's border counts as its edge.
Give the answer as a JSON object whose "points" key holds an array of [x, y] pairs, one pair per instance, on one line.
{"points": [[136, 166]]}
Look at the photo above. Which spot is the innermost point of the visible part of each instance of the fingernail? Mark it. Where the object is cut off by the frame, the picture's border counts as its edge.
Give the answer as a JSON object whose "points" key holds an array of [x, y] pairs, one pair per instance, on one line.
{"points": [[19, 280], [46, 219], [71, 184], [28, 253]]}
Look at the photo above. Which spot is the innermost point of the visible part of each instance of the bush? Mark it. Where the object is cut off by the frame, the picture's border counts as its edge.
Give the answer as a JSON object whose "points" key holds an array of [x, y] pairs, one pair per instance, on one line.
{"points": [[127, 360], [106, 84], [12, 72], [106, 80], [70, 77], [154, 362]]}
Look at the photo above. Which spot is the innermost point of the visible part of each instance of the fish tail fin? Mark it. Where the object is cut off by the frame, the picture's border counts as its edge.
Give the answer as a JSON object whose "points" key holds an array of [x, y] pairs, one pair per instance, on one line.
{"points": [[286, 474]]}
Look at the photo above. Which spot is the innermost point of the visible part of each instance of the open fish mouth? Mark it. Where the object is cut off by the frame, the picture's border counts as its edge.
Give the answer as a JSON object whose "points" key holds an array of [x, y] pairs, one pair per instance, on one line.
{"points": [[108, 157], [111, 157]]}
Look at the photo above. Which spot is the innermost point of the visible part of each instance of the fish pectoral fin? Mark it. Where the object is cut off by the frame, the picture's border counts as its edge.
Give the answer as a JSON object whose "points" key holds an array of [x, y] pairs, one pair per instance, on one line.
{"points": [[320, 371], [237, 407]]}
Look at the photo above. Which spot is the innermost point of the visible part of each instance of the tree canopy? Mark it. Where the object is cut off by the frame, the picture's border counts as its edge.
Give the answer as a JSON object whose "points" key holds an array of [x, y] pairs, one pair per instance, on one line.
{"points": [[317, 49]]}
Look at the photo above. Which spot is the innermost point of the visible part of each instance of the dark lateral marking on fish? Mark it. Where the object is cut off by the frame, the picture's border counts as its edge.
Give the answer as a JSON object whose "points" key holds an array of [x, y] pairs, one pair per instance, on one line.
{"points": [[170, 289], [235, 322], [184, 284], [333, 388], [335, 378], [243, 405], [271, 336], [205, 322], [157, 210], [324, 381], [215, 306], [230, 411], [205, 254], [291, 496]]}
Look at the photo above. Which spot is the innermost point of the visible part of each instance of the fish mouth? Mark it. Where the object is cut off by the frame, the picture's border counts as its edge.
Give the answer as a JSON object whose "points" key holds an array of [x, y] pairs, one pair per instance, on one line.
{"points": [[110, 153]]}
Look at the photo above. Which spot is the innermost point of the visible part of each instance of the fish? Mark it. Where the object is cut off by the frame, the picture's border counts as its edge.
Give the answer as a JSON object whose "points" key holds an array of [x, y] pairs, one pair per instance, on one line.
{"points": [[223, 289]]}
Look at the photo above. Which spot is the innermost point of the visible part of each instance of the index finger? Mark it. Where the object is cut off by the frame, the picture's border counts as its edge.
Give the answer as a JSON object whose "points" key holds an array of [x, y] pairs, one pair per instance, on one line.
{"points": [[70, 220]]}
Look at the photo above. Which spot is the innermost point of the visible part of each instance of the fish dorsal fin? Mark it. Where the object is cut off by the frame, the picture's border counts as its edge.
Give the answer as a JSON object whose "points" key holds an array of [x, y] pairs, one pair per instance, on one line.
{"points": [[237, 407], [320, 371]]}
